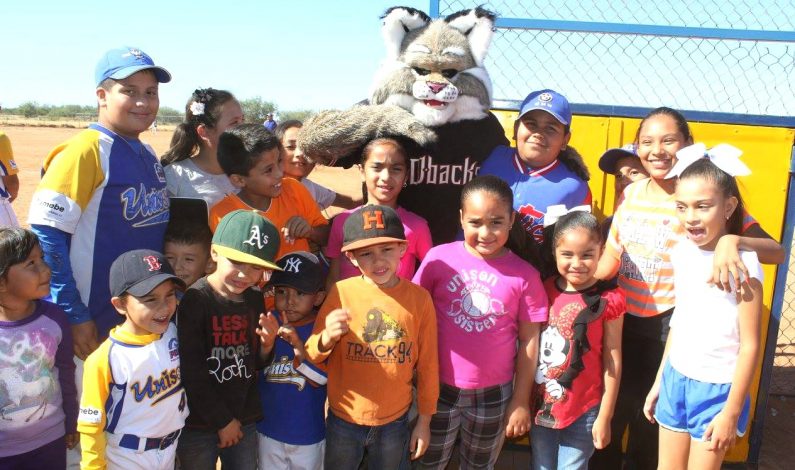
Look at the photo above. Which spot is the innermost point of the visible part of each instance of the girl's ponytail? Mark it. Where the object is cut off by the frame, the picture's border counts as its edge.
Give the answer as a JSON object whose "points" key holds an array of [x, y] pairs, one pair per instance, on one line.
{"points": [[203, 108], [574, 162]]}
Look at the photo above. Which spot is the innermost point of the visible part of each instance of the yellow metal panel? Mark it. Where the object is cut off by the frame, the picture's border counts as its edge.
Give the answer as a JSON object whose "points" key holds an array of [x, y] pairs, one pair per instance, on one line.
{"points": [[766, 150]]}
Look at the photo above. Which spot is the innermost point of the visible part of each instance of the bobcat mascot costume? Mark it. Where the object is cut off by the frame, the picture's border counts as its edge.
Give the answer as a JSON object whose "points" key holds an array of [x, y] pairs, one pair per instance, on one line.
{"points": [[434, 90]]}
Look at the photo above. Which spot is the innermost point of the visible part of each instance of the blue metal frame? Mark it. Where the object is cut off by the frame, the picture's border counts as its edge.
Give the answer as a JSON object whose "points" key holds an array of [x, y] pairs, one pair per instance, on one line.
{"points": [[755, 444], [645, 29], [640, 112]]}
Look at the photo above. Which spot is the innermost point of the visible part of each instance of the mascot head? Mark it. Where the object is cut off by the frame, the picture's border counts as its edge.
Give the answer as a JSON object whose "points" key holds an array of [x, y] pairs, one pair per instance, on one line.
{"points": [[434, 69]]}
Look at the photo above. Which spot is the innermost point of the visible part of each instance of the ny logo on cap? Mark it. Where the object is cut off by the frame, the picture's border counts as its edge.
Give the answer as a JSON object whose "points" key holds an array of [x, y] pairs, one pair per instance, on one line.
{"points": [[373, 220], [293, 265], [153, 262], [256, 238]]}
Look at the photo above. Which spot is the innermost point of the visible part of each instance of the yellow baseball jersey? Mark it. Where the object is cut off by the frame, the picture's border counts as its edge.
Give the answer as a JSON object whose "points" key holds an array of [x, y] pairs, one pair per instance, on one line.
{"points": [[8, 166], [131, 385]]}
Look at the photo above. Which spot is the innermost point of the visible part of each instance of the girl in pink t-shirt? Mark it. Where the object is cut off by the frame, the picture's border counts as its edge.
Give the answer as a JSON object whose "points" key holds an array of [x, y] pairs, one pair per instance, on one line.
{"points": [[486, 299], [384, 171], [579, 364]]}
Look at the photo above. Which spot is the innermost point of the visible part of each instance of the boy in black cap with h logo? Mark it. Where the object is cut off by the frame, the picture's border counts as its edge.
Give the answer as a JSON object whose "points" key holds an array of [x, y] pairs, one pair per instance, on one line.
{"points": [[222, 348], [373, 332], [133, 405], [292, 391]]}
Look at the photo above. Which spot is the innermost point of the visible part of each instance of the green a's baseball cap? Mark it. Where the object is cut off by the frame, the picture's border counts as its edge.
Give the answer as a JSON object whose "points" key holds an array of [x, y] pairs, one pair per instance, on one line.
{"points": [[247, 237]]}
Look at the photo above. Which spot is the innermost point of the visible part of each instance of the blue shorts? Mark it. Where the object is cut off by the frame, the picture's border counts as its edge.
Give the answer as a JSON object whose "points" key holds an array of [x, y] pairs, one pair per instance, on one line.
{"points": [[688, 405]]}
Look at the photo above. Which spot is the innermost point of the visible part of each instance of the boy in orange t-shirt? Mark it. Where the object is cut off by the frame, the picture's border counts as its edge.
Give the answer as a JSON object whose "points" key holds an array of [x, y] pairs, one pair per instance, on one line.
{"points": [[251, 156], [372, 333]]}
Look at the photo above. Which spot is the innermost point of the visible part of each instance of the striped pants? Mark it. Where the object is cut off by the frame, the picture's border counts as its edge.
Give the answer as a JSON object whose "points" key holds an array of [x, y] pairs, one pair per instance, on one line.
{"points": [[477, 416]]}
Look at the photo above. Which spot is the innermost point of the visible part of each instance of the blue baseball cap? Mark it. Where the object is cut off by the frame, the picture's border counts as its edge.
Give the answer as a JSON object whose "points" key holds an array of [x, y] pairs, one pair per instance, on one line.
{"points": [[608, 160], [119, 64], [550, 101]]}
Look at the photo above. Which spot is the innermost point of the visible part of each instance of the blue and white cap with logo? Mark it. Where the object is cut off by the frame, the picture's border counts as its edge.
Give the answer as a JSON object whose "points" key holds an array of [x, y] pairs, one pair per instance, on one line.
{"points": [[550, 101], [119, 64]]}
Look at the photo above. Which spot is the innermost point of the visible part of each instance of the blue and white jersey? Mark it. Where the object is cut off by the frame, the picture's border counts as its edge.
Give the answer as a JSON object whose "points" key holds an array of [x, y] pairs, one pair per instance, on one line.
{"points": [[109, 193], [535, 189], [294, 408]]}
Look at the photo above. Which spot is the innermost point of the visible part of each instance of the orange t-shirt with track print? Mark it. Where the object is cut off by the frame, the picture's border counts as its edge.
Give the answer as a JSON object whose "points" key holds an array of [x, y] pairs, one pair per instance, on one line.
{"points": [[392, 333]]}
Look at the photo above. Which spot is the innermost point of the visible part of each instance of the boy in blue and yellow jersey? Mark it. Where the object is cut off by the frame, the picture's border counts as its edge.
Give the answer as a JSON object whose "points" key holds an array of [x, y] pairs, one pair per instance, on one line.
{"points": [[102, 193], [133, 405]]}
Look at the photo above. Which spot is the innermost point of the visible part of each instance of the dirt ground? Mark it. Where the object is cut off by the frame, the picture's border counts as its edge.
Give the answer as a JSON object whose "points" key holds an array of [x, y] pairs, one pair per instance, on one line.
{"points": [[31, 145]]}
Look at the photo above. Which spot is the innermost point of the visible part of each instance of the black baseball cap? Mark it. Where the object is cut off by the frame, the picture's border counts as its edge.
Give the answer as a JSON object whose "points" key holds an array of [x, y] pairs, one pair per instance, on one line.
{"points": [[300, 270], [372, 225], [608, 160], [137, 272]]}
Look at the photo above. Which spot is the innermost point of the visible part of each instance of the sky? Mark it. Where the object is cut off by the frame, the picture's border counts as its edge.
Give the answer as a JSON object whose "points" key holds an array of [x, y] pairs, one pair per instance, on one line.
{"points": [[300, 54], [321, 54]]}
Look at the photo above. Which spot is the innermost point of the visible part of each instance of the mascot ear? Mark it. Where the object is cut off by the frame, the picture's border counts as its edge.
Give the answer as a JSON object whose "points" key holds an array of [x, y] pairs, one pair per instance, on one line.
{"points": [[478, 26], [397, 21]]}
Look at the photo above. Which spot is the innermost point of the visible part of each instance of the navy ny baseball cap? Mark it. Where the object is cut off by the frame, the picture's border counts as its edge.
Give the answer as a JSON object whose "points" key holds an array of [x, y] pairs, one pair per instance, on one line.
{"points": [[119, 64], [550, 101], [300, 270], [372, 225], [608, 160], [137, 272]]}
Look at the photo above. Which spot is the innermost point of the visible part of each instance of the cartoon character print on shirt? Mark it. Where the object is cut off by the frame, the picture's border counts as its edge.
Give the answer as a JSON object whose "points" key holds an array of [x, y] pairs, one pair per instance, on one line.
{"points": [[532, 220], [476, 310], [27, 385], [646, 240], [384, 338], [563, 344]]}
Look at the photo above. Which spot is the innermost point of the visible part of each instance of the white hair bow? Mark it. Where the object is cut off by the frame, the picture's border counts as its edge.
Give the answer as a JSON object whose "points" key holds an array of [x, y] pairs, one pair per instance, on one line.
{"points": [[559, 210], [724, 156]]}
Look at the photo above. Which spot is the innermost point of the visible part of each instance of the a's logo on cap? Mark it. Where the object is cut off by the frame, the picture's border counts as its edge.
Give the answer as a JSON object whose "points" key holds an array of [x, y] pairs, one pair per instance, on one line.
{"points": [[256, 238], [153, 262], [373, 220], [293, 265], [545, 97]]}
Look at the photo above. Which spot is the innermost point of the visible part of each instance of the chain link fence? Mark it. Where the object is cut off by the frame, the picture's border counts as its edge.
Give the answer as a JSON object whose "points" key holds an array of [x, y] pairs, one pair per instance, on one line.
{"points": [[671, 57], [647, 70], [782, 380]]}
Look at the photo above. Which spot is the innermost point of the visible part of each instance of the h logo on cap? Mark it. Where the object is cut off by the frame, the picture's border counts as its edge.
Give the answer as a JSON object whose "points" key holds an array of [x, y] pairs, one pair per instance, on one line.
{"points": [[373, 220], [293, 265], [153, 262], [256, 239]]}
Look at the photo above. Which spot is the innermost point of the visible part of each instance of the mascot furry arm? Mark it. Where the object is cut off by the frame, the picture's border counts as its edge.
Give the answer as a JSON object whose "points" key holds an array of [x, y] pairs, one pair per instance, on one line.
{"points": [[433, 89]]}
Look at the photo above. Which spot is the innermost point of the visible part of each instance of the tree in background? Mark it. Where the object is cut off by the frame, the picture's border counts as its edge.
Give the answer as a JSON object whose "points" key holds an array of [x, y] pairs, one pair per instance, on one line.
{"points": [[255, 109], [299, 114]]}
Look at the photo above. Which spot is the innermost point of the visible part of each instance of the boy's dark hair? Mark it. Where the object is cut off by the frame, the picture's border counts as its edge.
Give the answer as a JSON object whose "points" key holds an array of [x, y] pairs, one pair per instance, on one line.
{"points": [[283, 126], [726, 184], [186, 140], [188, 232], [16, 243], [240, 147], [681, 122]]}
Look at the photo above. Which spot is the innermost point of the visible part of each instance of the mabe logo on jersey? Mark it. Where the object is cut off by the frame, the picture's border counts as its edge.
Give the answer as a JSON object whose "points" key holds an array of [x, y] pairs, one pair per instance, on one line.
{"points": [[256, 238], [373, 220]]}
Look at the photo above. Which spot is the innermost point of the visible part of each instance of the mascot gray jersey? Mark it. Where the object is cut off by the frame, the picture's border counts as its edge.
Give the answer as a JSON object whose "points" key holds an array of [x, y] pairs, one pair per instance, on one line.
{"points": [[433, 89]]}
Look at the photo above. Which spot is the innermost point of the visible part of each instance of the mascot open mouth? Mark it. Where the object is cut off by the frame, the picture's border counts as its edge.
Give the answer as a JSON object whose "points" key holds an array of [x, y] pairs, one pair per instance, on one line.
{"points": [[434, 103]]}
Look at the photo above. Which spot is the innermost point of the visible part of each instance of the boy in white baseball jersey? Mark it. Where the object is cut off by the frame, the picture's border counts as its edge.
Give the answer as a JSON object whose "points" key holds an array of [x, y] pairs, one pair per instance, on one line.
{"points": [[133, 405]]}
